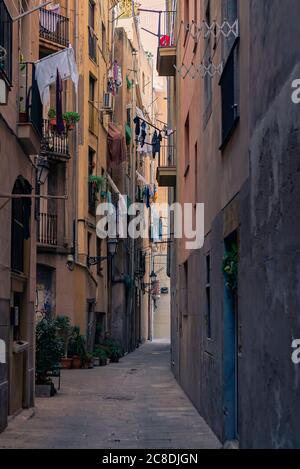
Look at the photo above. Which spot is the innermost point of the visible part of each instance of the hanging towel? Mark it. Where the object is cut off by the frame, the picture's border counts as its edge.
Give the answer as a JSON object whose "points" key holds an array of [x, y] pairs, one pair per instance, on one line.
{"points": [[46, 71], [60, 126]]}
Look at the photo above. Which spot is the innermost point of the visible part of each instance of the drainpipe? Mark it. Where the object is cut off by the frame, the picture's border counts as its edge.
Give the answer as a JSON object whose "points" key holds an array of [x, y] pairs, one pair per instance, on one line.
{"points": [[76, 152]]}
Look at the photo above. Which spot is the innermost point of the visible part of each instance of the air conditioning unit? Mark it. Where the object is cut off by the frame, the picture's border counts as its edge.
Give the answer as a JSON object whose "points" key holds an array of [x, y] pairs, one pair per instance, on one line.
{"points": [[107, 101]]}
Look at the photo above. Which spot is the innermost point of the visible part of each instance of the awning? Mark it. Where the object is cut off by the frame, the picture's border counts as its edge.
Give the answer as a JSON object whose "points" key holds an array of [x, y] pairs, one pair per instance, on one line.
{"points": [[116, 145]]}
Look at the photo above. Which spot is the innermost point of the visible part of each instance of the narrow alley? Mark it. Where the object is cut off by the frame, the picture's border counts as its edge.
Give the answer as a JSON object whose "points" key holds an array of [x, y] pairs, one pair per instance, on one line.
{"points": [[134, 404]]}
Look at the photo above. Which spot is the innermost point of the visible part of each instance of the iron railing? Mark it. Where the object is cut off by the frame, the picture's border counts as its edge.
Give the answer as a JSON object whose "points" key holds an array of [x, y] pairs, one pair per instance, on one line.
{"points": [[30, 104], [54, 27], [54, 144], [167, 156], [92, 45], [166, 27], [6, 42], [47, 229]]}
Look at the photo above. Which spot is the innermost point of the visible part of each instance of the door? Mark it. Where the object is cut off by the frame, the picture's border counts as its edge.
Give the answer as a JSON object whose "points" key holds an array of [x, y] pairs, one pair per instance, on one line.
{"points": [[230, 350]]}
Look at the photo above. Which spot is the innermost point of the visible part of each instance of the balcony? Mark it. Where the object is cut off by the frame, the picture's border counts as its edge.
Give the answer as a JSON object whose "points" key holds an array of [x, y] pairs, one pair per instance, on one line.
{"points": [[54, 29], [29, 127], [54, 145], [166, 54], [92, 45], [93, 118], [166, 171], [47, 230]]}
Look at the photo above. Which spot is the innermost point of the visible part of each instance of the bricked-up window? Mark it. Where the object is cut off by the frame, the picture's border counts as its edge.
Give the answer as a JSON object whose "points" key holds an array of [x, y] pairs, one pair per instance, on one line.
{"points": [[208, 298], [229, 81], [6, 42]]}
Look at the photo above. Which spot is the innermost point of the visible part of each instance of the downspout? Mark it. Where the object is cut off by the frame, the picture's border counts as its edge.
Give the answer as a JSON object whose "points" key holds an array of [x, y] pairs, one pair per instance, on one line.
{"points": [[76, 152]]}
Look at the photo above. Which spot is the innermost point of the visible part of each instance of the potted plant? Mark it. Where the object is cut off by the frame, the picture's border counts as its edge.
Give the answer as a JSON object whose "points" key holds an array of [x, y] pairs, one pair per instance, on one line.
{"points": [[64, 332], [48, 354], [52, 117], [76, 348], [114, 350], [87, 361], [71, 118], [100, 357]]}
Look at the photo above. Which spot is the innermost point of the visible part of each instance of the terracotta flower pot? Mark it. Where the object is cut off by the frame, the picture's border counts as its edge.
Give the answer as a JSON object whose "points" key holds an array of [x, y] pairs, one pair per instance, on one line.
{"points": [[76, 363], [66, 363]]}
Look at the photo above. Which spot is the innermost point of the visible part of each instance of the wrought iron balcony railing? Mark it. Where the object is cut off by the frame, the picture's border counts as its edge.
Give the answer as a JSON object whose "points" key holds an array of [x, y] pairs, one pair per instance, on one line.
{"points": [[30, 105], [167, 156], [47, 229], [54, 27], [54, 145]]}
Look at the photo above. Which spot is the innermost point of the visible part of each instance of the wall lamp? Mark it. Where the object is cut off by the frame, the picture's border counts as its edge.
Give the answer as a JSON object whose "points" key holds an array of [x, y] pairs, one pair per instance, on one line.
{"points": [[153, 278], [42, 170], [112, 245]]}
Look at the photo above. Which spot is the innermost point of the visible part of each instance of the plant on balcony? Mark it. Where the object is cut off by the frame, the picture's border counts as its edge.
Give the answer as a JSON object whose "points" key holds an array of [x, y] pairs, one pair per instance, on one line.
{"points": [[98, 184], [71, 118], [49, 349], [52, 117], [64, 332]]}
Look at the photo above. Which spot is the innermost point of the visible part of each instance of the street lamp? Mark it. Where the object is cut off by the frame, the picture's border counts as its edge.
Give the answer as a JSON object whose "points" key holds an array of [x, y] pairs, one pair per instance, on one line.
{"points": [[112, 249], [153, 277], [42, 170]]}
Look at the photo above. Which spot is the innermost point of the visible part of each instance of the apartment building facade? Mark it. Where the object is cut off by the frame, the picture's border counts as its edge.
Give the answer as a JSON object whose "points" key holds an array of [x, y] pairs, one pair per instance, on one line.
{"points": [[236, 145], [20, 129]]}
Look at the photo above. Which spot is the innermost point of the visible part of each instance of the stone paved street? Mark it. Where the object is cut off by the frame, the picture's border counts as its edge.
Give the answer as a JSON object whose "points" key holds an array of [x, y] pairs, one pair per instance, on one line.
{"points": [[133, 404]]}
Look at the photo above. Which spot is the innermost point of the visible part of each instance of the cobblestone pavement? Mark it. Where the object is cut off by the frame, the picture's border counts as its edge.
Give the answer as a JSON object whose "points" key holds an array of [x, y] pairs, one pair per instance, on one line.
{"points": [[134, 404]]}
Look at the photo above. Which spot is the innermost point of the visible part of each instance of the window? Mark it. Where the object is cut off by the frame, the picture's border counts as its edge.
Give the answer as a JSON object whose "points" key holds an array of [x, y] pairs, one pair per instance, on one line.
{"points": [[208, 297], [99, 254], [103, 40], [89, 244], [20, 224], [186, 11], [91, 186], [93, 112], [6, 41], [229, 81], [187, 144], [92, 15]]}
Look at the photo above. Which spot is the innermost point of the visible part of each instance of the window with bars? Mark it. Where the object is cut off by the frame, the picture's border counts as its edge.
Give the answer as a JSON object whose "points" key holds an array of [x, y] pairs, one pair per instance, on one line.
{"points": [[6, 43]]}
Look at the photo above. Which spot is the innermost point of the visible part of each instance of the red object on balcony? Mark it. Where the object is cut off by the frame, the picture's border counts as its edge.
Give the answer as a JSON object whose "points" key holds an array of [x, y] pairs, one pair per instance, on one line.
{"points": [[165, 41]]}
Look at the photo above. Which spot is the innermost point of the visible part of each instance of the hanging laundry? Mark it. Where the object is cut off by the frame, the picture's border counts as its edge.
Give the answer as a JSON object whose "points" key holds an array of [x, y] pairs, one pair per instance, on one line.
{"points": [[143, 134], [60, 126], [137, 122], [46, 71], [156, 143]]}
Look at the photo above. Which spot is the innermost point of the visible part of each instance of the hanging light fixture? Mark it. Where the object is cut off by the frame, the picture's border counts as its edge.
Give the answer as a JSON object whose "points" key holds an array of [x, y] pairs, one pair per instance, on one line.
{"points": [[112, 245], [42, 170]]}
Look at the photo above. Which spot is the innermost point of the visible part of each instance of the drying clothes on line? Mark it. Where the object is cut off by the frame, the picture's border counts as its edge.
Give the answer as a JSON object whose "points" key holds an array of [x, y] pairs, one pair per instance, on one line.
{"points": [[143, 134], [137, 123], [46, 70], [147, 196], [116, 145], [156, 142], [60, 126]]}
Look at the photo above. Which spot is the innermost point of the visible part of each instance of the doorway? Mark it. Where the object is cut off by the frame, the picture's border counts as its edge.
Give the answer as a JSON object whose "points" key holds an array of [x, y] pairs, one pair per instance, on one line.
{"points": [[231, 347]]}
